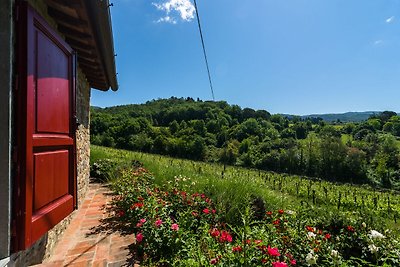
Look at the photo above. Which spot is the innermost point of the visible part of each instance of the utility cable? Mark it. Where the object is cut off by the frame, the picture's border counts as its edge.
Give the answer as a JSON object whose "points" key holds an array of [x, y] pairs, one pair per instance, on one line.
{"points": [[204, 49]]}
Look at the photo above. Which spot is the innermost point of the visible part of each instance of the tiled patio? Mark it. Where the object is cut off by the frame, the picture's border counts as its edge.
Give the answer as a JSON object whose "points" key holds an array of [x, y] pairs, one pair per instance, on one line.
{"points": [[89, 240]]}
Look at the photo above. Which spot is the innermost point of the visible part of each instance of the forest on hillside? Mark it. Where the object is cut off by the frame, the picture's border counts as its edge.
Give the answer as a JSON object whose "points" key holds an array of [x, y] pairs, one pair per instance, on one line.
{"points": [[361, 152]]}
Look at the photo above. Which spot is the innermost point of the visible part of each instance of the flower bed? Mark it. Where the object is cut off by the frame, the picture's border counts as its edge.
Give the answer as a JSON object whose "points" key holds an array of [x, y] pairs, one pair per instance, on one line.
{"points": [[176, 227]]}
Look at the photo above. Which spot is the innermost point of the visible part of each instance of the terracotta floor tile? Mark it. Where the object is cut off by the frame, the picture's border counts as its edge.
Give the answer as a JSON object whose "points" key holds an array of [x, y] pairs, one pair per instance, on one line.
{"points": [[82, 246]]}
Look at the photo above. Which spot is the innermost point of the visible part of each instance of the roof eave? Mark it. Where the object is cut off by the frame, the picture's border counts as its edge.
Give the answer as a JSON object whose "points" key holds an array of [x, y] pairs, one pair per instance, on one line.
{"points": [[100, 17]]}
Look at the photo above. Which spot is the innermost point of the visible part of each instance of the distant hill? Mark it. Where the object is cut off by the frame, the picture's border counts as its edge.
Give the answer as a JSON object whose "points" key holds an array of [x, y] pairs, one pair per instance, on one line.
{"points": [[343, 117]]}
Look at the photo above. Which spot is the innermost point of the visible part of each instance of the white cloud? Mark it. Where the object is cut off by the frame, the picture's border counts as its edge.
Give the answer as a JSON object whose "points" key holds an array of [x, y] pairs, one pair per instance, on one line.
{"points": [[167, 19], [378, 42], [390, 20], [183, 8]]}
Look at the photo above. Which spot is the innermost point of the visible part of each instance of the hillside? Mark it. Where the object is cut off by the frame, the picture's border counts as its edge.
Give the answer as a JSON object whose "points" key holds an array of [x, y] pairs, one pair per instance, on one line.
{"points": [[344, 117], [219, 132]]}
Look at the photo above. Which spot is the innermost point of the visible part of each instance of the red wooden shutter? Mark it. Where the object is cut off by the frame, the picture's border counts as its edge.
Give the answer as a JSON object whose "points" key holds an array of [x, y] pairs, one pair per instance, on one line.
{"points": [[46, 172]]}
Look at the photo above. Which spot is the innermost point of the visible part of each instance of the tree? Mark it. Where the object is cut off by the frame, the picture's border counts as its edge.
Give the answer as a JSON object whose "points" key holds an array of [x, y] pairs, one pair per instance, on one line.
{"points": [[230, 152], [173, 127]]}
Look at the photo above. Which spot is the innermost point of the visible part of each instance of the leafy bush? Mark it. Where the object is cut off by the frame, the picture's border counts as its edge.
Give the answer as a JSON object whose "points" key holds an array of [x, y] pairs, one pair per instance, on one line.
{"points": [[103, 169], [176, 227]]}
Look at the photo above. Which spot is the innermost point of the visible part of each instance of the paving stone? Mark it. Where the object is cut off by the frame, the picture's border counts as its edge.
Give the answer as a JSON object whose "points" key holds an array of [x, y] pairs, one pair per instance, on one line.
{"points": [[82, 244]]}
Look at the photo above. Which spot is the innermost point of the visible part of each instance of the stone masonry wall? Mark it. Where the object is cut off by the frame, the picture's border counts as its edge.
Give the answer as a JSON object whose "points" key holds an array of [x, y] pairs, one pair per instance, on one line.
{"points": [[83, 135], [43, 248]]}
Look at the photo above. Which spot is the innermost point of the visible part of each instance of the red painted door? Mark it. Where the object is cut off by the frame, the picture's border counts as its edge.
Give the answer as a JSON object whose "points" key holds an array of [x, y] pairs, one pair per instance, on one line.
{"points": [[46, 178]]}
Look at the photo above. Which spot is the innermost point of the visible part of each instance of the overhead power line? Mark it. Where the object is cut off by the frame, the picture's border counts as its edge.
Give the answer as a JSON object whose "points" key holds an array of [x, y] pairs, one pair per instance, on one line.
{"points": [[204, 49]]}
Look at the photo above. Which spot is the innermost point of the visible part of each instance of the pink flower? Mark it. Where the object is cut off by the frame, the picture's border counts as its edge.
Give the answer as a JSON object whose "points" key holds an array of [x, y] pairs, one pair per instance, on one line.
{"points": [[158, 223], [141, 222], [293, 262], [213, 211], [139, 237], [279, 264], [213, 261], [175, 227], [206, 211], [273, 252]]}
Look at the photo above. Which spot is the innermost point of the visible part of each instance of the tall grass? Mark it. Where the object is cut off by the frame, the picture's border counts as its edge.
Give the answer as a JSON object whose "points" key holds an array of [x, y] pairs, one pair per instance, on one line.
{"points": [[234, 188]]}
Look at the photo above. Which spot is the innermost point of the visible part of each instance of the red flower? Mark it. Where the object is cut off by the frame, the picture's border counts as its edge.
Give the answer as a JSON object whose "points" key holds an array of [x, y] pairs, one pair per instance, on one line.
{"points": [[225, 237], [257, 241], [310, 229], [248, 241], [213, 261], [195, 214], [264, 260], [121, 213], [137, 206], [213, 211], [280, 211], [237, 249], [279, 264], [327, 236], [214, 232], [206, 211], [139, 237], [276, 222], [140, 198], [269, 213], [273, 252], [293, 262], [350, 228]]}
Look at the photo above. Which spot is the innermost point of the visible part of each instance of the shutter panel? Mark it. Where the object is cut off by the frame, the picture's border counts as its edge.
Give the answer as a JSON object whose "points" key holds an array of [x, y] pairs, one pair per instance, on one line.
{"points": [[46, 182]]}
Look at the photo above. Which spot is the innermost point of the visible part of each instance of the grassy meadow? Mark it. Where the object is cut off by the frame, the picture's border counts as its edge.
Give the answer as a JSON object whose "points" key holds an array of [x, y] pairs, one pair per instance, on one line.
{"points": [[233, 188]]}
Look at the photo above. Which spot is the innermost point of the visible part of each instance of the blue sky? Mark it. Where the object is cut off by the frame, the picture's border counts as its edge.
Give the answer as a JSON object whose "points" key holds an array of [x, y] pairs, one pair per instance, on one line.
{"points": [[285, 56]]}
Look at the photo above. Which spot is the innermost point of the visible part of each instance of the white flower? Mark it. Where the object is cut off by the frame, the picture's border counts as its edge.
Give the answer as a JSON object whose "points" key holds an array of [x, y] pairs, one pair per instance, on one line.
{"points": [[374, 249], [290, 212], [364, 225], [311, 258], [311, 235], [376, 235], [334, 253]]}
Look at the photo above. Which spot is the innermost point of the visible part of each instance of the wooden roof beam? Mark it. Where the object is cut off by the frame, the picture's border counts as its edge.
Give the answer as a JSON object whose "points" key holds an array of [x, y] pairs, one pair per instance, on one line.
{"points": [[64, 18], [71, 32]]}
